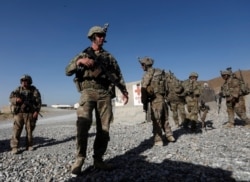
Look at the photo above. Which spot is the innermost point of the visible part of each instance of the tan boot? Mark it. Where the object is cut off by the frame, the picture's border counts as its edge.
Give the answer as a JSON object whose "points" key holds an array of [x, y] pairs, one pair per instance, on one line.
{"points": [[30, 148], [14, 150], [77, 166], [171, 139], [99, 164], [229, 125], [158, 140]]}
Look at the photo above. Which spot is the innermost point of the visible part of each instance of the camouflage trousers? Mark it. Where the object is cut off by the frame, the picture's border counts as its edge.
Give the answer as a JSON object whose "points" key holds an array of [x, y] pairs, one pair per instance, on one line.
{"points": [[178, 108], [159, 116], [237, 106], [192, 108], [99, 102], [21, 120]]}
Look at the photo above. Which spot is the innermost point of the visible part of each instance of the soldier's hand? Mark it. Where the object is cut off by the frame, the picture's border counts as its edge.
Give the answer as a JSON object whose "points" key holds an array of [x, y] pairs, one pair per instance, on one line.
{"points": [[18, 100], [35, 115], [86, 62], [125, 98]]}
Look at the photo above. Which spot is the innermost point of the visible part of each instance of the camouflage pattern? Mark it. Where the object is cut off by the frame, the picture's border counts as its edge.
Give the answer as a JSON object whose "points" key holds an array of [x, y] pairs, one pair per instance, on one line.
{"points": [[94, 30], [207, 95], [159, 110], [235, 101], [175, 98], [23, 113], [192, 92], [147, 61], [96, 94]]}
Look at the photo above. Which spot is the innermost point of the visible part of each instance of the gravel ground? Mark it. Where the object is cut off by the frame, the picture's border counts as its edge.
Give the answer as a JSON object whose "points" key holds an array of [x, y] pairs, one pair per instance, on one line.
{"points": [[217, 154]]}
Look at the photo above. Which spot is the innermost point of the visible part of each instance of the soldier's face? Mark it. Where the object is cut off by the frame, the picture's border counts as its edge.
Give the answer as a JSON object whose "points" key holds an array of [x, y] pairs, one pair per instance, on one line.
{"points": [[99, 39], [225, 77], [144, 67], [25, 83], [193, 78]]}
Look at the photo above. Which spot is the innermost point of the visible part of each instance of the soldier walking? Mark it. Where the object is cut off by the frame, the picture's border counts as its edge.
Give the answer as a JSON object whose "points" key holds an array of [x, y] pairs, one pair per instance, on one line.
{"points": [[175, 98], [235, 102], [96, 75], [192, 92]]}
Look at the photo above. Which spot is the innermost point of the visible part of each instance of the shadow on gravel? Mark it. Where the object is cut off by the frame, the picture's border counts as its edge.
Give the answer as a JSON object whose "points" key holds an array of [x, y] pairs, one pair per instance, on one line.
{"points": [[132, 166], [4, 146], [187, 131], [45, 142], [39, 142]]}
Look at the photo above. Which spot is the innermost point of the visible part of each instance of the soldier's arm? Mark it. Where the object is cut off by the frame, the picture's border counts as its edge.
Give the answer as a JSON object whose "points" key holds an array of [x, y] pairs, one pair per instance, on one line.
{"points": [[37, 100], [71, 68], [14, 100], [115, 69]]}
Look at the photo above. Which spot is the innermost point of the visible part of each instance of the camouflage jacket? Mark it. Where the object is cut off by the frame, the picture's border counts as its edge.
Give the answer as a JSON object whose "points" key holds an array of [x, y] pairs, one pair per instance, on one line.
{"points": [[174, 89], [31, 100], [106, 71], [231, 88], [191, 88], [154, 84]]}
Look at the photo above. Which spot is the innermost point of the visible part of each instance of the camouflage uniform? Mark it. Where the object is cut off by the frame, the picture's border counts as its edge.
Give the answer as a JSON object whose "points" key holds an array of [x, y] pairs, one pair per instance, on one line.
{"points": [[156, 96], [24, 112], [235, 101], [192, 91], [207, 95], [175, 98], [97, 90]]}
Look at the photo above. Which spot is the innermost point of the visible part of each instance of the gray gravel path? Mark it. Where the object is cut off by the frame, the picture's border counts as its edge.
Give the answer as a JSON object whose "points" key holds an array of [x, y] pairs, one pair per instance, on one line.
{"points": [[217, 154]]}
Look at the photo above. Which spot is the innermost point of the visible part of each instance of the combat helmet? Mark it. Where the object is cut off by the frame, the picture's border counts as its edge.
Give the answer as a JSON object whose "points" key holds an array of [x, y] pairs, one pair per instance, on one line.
{"points": [[96, 29], [26, 77], [225, 72], [147, 61], [193, 74]]}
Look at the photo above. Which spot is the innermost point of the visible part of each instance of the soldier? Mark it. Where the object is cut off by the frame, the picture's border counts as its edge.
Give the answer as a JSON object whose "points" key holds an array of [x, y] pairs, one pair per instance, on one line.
{"points": [[25, 105], [153, 90], [235, 102], [97, 73], [175, 98], [192, 91]]}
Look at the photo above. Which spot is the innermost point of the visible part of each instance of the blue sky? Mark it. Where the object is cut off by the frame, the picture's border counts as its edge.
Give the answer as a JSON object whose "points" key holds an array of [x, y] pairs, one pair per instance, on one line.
{"points": [[41, 37]]}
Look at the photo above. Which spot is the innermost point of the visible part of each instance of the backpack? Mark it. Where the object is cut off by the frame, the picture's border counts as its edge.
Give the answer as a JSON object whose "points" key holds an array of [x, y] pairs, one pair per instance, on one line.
{"points": [[158, 83], [244, 88]]}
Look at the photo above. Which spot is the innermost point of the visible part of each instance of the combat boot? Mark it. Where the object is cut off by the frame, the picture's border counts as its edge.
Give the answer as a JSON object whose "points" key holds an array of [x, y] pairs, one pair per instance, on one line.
{"points": [[100, 164], [14, 150], [77, 166], [158, 140], [171, 139], [229, 125], [29, 148]]}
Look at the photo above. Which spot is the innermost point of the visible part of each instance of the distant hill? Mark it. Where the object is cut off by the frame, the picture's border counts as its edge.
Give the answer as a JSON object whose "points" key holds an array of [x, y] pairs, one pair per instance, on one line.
{"points": [[217, 82]]}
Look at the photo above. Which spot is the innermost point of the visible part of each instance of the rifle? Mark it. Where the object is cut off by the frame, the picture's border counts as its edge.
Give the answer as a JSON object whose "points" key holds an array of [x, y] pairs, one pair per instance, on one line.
{"points": [[219, 102], [148, 112], [25, 105]]}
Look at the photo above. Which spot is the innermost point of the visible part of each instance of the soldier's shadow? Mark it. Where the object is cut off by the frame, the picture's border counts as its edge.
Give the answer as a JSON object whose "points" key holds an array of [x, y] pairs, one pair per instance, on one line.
{"points": [[39, 142], [4, 145], [187, 131], [133, 165]]}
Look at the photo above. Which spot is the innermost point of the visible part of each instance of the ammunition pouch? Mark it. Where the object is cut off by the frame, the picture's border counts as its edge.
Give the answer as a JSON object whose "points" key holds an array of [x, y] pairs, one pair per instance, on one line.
{"points": [[78, 84]]}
